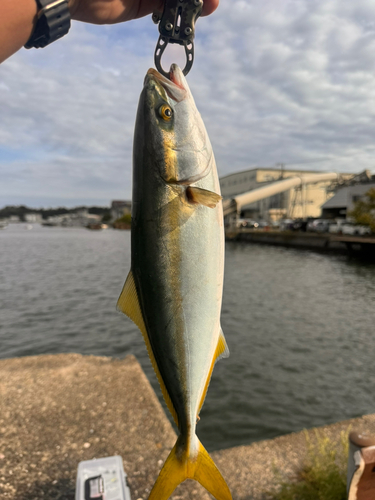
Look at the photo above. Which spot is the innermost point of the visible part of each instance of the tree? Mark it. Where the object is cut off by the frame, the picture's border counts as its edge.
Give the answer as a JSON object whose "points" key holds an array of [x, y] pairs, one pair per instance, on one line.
{"points": [[125, 219], [123, 222], [106, 217], [364, 210]]}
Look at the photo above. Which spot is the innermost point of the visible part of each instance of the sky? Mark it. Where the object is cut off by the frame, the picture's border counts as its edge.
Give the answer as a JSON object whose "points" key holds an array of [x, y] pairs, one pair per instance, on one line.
{"points": [[289, 82]]}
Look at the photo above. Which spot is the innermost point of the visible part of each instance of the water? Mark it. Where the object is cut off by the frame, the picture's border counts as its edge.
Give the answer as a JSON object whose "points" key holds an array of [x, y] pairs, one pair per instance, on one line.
{"points": [[300, 326]]}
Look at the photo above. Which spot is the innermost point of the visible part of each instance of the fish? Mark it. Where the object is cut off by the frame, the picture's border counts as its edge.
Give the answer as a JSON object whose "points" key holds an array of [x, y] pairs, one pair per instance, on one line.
{"points": [[173, 292]]}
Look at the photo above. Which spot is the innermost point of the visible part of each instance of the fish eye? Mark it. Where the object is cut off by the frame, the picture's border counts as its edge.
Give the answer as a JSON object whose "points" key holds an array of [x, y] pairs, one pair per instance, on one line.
{"points": [[165, 112]]}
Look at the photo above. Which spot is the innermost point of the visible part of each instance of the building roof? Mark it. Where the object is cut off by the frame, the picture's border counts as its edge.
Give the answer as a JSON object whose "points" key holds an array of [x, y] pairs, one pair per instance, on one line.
{"points": [[343, 197], [338, 200], [120, 203], [274, 169]]}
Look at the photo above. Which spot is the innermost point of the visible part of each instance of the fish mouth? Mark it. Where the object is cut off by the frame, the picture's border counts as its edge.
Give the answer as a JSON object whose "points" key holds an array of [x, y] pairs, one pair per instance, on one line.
{"points": [[175, 86]]}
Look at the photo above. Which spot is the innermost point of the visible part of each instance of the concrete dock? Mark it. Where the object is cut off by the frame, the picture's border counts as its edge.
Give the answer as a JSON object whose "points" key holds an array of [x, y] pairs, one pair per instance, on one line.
{"points": [[325, 242], [56, 410]]}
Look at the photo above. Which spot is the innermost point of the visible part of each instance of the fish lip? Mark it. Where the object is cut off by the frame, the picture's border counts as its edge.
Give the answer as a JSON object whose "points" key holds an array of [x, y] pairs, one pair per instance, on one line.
{"points": [[173, 86]]}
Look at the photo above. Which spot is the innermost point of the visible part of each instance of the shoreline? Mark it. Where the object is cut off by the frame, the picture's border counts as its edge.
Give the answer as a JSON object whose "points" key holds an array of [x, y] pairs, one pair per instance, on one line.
{"points": [[57, 410], [322, 242]]}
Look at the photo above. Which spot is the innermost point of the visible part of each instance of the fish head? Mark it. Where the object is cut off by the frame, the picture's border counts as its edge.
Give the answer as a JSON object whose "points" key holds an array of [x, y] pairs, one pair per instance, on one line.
{"points": [[176, 137]]}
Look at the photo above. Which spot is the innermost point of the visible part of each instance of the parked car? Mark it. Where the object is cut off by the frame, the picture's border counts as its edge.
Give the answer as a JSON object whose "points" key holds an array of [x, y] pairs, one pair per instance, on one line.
{"points": [[353, 230], [319, 225], [336, 227], [299, 225], [286, 224], [248, 223]]}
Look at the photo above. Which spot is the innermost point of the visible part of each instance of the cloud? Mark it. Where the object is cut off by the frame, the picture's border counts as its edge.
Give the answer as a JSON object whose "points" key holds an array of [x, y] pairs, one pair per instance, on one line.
{"points": [[290, 82], [71, 107], [297, 82]]}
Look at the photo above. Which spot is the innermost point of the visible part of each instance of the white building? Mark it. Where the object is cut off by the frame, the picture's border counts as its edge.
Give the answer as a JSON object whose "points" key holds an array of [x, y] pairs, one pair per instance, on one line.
{"points": [[14, 218], [33, 218]]}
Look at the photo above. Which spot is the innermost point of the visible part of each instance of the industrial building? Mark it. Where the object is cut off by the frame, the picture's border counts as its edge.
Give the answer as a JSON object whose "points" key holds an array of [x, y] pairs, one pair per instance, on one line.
{"points": [[300, 201]]}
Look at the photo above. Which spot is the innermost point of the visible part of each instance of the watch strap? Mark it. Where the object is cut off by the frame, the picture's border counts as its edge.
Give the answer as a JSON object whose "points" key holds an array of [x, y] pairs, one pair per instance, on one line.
{"points": [[53, 23]]}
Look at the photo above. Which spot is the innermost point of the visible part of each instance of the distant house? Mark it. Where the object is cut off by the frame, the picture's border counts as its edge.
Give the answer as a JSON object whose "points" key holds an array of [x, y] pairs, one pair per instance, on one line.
{"points": [[33, 217], [120, 208], [343, 201]]}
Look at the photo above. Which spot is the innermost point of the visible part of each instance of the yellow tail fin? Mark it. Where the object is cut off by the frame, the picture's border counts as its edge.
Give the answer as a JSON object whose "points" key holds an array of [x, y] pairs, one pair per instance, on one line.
{"points": [[179, 467]]}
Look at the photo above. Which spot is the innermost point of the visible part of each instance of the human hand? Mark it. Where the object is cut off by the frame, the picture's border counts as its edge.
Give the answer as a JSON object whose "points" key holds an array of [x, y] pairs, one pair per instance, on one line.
{"points": [[117, 11], [18, 18]]}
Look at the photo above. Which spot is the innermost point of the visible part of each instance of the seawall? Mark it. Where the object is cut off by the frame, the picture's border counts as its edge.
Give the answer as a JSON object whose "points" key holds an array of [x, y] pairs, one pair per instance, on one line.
{"points": [[56, 410], [315, 241]]}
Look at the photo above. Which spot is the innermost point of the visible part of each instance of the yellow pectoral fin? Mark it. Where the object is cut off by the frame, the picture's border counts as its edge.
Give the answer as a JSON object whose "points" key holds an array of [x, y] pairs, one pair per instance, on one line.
{"points": [[202, 197], [128, 303], [222, 351]]}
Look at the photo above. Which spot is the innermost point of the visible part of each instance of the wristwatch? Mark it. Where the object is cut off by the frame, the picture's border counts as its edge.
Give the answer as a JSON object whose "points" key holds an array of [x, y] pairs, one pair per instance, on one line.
{"points": [[53, 22]]}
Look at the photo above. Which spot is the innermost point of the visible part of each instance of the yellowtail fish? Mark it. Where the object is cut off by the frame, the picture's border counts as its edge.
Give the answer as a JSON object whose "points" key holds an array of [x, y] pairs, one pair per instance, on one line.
{"points": [[174, 289]]}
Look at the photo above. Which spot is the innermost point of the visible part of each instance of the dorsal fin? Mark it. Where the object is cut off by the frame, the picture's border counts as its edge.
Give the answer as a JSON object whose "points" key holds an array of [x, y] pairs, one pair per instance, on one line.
{"points": [[222, 351], [128, 303]]}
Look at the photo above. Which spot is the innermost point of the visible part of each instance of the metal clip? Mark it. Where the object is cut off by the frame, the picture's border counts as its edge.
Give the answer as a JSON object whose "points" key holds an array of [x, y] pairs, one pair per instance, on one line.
{"points": [[177, 25]]}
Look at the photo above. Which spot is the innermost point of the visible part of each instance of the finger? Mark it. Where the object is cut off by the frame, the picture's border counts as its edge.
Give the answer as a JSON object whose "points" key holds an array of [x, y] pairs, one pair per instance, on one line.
{"points": [[209, 6], [147, 6]]}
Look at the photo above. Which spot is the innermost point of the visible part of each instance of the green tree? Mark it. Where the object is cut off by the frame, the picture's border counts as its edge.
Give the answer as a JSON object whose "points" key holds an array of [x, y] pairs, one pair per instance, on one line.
{"points": [[125, 219], [106, 217], [364, 210]]}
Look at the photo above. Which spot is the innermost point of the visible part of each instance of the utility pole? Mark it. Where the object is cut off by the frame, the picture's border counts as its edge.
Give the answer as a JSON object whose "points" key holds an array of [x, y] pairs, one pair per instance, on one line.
{"points": [[282, 167], [281, 195]]}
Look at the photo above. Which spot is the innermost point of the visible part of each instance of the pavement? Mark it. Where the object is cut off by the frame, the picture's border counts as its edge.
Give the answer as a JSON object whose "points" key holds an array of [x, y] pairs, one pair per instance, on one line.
{"points": [[57, 410]]}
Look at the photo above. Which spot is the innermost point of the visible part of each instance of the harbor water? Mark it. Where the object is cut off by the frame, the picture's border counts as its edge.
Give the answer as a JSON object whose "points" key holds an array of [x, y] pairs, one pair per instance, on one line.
{"points": [[300, 326]]}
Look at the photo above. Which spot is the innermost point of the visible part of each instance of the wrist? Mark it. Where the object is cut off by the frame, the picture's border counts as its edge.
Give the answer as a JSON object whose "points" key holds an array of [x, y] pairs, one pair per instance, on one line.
{"points": [[19, 19], [53, 22], [73, 6]]}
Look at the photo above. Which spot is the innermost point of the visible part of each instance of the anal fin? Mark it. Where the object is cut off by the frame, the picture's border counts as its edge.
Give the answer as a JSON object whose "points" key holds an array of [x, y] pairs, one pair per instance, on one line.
{"points": [[128, 303], [222, 351]]}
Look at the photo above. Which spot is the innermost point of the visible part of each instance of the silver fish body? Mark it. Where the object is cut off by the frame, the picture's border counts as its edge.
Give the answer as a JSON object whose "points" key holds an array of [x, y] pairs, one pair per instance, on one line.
{"points": [[174, 290]]}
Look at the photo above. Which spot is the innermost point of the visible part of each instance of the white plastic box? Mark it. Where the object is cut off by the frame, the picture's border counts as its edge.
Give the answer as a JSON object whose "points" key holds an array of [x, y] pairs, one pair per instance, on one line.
{"points": [[102, 479]]}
